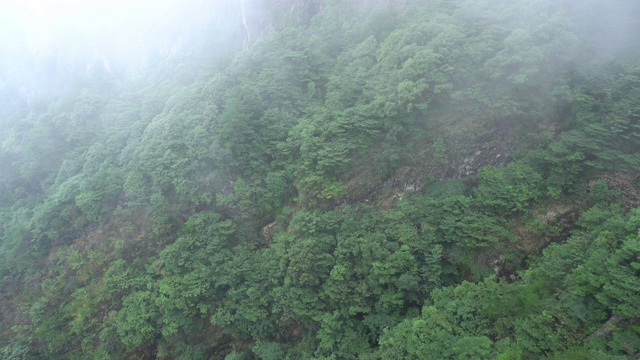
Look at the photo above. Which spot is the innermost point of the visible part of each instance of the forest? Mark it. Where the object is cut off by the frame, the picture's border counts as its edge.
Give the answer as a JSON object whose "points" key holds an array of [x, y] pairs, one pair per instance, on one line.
{"points": [[331, 179]]}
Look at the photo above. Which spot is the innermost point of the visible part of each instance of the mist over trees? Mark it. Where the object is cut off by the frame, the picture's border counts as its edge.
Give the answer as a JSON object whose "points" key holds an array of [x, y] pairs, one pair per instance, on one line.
{"points": [[324, 180]]}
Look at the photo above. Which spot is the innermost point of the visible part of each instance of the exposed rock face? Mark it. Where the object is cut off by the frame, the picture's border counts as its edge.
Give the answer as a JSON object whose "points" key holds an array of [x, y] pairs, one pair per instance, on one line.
{"points": [[606, 327], [625, 184], [266, 231], [487, 155]]}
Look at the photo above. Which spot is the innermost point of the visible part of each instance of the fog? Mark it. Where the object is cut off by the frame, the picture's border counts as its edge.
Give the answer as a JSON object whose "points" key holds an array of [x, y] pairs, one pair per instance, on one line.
{"points": [[34, 31], [44, 23], [244, 179], [613, 27], [46, 45]]}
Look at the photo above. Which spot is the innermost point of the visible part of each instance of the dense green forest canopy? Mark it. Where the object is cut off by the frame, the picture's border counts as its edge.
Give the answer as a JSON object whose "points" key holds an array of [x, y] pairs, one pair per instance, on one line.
{"points": [[322, 179]]}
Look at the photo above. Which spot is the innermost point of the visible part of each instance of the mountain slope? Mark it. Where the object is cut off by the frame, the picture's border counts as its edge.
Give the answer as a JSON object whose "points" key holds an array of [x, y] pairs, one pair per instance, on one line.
{"points": [[376, 180]]}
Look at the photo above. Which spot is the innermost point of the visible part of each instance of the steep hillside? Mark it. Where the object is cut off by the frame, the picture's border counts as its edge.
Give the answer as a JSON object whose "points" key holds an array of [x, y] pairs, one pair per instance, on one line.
{"points": [[332, 180]]}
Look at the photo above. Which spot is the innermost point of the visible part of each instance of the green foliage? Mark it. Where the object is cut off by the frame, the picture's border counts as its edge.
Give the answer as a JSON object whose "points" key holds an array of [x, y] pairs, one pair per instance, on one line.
{"points": [[431, 180], [268, 351], [137, 321], [507, 189]]}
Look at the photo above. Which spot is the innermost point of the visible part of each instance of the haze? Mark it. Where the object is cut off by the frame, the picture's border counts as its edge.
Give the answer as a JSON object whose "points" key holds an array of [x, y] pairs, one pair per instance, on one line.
{"points": [[44, 25], [44, 44]]}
